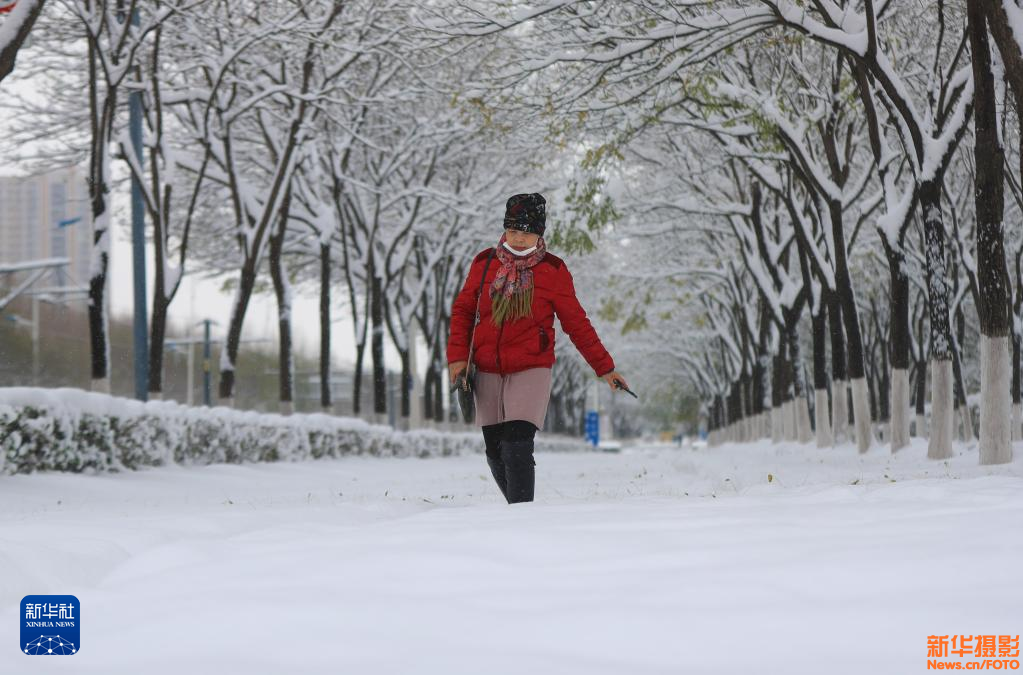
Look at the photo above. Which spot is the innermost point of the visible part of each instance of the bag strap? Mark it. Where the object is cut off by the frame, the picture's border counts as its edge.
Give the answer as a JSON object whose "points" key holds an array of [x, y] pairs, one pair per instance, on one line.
{"points": [[476, 320]]}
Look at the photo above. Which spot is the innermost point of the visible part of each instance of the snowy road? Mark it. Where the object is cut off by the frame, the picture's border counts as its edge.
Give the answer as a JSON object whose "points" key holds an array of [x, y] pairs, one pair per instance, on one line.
{"points": [[653, 561]]}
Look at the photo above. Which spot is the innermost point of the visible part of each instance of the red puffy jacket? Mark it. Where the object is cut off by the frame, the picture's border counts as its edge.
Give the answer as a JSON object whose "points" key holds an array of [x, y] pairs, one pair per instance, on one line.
{"points": [[527, 342]]}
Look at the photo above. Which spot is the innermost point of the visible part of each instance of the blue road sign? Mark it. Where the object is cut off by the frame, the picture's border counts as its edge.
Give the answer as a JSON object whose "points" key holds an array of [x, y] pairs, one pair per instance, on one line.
{"points": [[593, 427]]}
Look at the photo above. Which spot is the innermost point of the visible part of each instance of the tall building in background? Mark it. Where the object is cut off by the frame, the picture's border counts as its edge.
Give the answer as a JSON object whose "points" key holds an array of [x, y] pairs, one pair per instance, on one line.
{"points": [[47, 216]]}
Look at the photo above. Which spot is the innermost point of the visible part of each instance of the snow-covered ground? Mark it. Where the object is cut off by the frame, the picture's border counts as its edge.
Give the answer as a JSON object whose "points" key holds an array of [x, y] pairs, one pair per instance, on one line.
{"points": [[741, 559]]}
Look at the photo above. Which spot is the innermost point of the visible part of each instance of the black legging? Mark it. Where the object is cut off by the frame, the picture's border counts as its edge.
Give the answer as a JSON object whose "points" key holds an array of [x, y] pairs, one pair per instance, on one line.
{"points": [[510, 456]]}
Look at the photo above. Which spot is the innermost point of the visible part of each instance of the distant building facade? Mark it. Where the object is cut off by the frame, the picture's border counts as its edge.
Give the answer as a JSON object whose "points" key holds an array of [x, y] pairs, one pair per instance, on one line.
{"points": [[47, 216]]}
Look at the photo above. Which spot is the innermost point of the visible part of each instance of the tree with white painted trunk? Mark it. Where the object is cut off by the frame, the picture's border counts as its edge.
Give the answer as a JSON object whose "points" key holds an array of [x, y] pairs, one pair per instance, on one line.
{"points": [[1004, 19], [992, 276], [820, 151]]}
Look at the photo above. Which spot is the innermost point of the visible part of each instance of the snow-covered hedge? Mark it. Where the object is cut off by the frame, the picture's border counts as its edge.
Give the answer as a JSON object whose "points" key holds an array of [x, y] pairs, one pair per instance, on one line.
{"points": [[75, 430]]}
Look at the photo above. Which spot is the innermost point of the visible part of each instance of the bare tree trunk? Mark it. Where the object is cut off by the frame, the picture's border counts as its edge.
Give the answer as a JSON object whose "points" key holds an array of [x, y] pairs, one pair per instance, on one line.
{"points": [[839, 376], [377, 343], [961, 406], [404, 342], [759, 391], [761, 372], [921, 399], [884, 388], [157, 334], [431, 373], [730, 401], [1017, 409], [438, 394], [325, 396], [229, 353], [360, 355], [434, 371], [406, 389], [744, 412], [282, 291], [749, 407], [158, 207], [777, 398], [99, 163], [872, 395], [98, 339], [800, 408], [161, 298], [822, 421]]}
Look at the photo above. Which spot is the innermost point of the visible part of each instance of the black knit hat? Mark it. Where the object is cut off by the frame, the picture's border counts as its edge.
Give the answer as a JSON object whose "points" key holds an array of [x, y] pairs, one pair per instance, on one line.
{"points": [[526, 212]]}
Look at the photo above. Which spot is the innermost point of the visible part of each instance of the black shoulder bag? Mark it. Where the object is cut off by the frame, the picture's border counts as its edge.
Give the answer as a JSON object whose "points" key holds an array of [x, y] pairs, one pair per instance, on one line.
{"points": [[466, 381]]}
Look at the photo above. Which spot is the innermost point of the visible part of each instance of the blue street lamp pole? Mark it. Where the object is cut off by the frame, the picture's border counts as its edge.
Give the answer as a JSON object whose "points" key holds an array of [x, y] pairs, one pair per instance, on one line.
{"points": [[138, 245], [207, 385]]}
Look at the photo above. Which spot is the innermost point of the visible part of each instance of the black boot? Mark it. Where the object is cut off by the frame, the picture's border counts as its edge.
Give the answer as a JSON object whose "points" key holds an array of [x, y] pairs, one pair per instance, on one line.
{"points": [[497, 468], [492, 434], [519, 470]]}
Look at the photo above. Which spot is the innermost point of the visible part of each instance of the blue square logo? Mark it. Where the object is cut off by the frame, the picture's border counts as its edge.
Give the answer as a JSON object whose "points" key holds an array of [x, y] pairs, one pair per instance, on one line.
{"points": [[51, 625]]}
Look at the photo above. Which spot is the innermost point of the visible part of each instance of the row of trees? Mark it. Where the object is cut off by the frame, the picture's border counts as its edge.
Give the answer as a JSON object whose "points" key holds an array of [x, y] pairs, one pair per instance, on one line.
{"points": [[324, 144], [828, 173], [798, 205]]}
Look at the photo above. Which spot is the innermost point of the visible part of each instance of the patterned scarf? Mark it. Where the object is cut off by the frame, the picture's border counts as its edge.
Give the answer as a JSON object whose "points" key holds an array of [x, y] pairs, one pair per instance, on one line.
{"points": [[511, 293]]}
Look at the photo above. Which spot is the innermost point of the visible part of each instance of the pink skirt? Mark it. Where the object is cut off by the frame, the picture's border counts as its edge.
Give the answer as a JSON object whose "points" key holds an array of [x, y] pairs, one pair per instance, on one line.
{"points": [[517, 396]]}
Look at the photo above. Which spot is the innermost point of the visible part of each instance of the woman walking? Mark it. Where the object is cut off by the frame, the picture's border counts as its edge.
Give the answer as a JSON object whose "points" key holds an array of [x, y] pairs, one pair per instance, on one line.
{"points": [[518, 288]]}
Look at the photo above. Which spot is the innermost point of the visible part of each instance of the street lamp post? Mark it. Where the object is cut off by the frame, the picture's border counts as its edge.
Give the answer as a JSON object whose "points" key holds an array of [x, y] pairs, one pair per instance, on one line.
{"points": [[207, 391], [138, 242]]}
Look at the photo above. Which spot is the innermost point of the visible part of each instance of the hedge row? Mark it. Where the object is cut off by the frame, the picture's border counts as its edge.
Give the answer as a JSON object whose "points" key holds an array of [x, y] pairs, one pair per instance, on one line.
{"points": [[74, 430]]}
